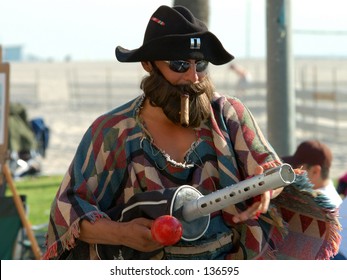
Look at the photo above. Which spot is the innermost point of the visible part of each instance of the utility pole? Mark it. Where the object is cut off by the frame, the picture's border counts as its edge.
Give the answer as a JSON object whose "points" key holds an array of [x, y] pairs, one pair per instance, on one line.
{"points": [[280, 89], [248, 29]]}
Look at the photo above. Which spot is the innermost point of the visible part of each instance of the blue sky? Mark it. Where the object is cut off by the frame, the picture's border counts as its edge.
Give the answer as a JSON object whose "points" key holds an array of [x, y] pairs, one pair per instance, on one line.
{"points": [[90, 30]]}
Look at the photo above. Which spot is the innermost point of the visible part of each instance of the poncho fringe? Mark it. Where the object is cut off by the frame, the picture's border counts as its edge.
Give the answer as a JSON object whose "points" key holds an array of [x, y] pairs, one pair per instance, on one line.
{"points": [[68, 240]]}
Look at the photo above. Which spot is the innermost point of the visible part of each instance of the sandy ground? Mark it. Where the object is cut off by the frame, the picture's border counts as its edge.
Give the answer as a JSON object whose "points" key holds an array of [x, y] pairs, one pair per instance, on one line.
{"points": [[68, 122]]}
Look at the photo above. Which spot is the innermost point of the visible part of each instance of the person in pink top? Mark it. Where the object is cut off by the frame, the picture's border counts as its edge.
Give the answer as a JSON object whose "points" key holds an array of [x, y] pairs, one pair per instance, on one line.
{"points": [[342, 191], [342, 186]]}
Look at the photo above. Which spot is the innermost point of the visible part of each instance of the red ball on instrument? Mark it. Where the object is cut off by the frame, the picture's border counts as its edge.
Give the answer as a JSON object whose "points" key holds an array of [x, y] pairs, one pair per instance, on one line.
{"points": [[167, 230]]}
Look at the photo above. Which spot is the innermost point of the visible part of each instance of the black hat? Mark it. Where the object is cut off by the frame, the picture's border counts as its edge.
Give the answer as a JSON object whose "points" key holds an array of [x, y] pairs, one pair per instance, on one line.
{"points": [[174, 34]]}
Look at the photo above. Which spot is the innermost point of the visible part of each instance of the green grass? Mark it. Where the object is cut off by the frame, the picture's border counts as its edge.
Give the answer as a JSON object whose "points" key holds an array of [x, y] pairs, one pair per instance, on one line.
{"points": [[39, 191]]}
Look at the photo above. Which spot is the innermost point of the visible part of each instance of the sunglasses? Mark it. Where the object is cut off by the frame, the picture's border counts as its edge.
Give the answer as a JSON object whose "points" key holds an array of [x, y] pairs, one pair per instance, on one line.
{"points": [[182, 66]]}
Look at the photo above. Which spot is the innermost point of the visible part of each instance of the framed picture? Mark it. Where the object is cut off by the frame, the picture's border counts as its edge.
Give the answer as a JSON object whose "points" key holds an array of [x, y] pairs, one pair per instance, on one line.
{"points": [[4, 109]]}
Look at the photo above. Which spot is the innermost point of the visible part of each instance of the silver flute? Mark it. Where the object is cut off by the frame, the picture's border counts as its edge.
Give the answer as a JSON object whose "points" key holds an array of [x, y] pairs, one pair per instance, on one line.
{"points": [[271, 179]]}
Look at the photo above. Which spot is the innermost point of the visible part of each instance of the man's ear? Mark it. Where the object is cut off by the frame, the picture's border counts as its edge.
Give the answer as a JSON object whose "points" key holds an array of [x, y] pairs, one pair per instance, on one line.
{"points": [[147, 65], [316, 172], [316, 169]]}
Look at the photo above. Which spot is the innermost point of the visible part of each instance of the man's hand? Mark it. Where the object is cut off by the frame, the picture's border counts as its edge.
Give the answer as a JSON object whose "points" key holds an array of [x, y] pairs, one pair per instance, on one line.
{"points": [[260, 203], [135, 234]]}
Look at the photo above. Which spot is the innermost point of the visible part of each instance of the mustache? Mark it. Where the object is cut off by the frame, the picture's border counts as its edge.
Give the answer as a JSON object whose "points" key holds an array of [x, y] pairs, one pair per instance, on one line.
{"points": [[192, 90], [161, 93]]}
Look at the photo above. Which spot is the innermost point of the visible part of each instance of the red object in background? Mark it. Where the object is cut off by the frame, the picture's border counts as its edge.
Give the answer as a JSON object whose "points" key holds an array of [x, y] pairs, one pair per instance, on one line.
{"points": [[167, 230]]}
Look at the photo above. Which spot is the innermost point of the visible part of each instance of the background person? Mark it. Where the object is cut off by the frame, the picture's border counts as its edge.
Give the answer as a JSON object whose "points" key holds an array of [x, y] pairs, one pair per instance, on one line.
{"points": [[342, 191], [316, 158], [244, 79], [342, 186]]}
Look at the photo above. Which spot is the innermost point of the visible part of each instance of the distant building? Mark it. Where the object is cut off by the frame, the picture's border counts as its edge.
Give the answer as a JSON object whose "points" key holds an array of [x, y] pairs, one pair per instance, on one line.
{"points": [[13, 53]]}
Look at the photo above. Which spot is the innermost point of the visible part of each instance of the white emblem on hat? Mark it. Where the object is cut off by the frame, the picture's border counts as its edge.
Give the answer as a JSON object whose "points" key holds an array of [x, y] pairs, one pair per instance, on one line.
{"points": [[195, 43]]}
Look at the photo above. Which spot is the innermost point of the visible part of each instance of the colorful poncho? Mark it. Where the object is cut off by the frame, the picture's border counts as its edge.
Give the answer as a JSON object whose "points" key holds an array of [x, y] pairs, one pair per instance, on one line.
{"points": [[117, 158]]}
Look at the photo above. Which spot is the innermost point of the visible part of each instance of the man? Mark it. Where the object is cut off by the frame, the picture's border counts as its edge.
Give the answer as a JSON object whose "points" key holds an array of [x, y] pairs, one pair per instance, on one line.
{"points": [[178, 132], [316, 158]]}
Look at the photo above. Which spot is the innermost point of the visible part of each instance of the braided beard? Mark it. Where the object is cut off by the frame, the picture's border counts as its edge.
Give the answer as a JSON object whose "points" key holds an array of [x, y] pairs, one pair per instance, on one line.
{"points": [[163, 94]]}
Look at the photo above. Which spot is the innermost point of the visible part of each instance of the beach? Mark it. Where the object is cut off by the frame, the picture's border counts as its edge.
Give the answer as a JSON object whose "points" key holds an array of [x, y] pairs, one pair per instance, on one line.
{"points": [[70, 95]]}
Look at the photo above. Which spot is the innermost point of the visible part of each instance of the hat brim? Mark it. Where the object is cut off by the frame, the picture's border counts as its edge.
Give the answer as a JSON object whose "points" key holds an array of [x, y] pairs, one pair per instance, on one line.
{"points": [[176, 47]]}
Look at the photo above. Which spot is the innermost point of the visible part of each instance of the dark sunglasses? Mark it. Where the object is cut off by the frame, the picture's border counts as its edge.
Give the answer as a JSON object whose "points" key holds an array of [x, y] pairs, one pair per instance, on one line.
{"points": [[182, 66]]}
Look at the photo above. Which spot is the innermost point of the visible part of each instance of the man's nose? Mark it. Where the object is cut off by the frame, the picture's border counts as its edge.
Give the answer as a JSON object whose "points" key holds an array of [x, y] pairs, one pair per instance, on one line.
{"points": [[192, 75]]}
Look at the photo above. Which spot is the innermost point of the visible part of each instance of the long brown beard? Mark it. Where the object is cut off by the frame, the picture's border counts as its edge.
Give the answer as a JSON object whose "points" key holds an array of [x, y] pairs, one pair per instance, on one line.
{"points": [[163, 94]]}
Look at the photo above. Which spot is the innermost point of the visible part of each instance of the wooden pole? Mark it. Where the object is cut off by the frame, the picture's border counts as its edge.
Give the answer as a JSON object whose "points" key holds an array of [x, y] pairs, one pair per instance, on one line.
{"points": [[21, 211], [8, 177]]}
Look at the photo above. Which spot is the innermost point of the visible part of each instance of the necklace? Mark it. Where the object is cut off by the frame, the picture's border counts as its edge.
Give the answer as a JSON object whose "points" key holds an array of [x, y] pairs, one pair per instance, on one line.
{"points": [[159, 153]]}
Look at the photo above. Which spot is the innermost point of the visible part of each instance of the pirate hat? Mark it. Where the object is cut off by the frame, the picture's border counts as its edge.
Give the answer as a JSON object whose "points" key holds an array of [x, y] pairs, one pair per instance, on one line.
{"points": [[174, 34]]}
